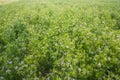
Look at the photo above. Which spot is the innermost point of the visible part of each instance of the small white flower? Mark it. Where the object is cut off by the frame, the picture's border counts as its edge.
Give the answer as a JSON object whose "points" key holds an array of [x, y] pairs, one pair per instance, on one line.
{"points": [[109, 58], [21, 68], [79, 69], [118, 36], [42, 47], [99, 64], [71, 68], [32, 65], [31, 72], [95, 39], [8, 71], [21, 62], [56, 44], [36, 78], [63, 69], [16, 58], [1, 77], [65, 53], [67, 47], [23, 79], [25, 65], [10, 62], [16, 67], [31, 56]]}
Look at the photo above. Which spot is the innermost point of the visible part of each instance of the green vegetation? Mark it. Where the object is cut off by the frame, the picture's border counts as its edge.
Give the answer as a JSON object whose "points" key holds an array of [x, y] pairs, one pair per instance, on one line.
{"points": [[60, 40]]}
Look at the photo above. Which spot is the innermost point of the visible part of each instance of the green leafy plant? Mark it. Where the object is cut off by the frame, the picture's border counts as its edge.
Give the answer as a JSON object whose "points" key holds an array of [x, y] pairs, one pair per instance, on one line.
{"points": [[60, 40]]}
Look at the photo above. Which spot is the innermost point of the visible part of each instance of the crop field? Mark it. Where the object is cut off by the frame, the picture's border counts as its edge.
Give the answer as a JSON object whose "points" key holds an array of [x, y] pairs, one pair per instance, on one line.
{"points": [[60, 40]]}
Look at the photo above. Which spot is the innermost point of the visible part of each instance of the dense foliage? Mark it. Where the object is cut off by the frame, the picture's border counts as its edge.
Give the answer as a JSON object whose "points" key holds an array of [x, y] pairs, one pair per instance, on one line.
{"points": [[60, 40]]}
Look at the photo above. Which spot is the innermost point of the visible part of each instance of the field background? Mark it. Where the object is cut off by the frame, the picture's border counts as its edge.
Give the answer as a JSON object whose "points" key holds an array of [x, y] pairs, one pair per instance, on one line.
{"points": [[2, 2], [59, 40]]}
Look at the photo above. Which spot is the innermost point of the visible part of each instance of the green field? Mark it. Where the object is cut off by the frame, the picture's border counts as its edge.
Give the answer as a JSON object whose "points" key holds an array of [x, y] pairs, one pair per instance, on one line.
{"points": [[60, 40]]}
